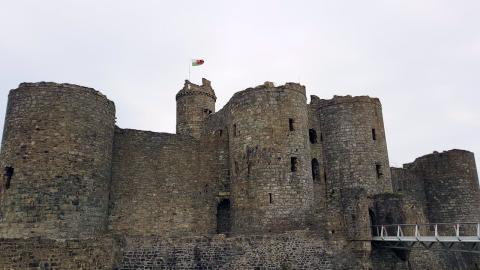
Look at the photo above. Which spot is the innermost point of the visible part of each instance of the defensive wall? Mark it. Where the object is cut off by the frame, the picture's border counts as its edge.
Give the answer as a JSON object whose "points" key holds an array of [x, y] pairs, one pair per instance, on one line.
{"points": [[268, 181]]}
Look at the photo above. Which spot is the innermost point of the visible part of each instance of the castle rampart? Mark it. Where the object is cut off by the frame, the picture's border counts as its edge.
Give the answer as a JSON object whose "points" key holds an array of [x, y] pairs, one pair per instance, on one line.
{"points": [[266, 179], [159, 186]]}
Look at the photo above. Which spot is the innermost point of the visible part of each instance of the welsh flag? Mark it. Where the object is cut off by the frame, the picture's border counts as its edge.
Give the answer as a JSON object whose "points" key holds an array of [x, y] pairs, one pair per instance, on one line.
{"points": [[197, 62]]}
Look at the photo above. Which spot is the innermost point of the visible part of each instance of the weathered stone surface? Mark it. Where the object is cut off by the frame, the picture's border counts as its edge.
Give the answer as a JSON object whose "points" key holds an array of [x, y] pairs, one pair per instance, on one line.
{"points": [[267, 182], [58, 139]]}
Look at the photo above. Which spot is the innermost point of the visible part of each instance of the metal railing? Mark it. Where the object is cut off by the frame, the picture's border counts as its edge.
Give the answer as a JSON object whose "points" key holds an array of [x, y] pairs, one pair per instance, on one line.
{"points": [[438, 232]]}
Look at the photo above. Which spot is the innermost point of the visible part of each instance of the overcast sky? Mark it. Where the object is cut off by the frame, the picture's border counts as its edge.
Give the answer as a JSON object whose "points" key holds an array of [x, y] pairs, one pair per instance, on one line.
{"points": [[420, 57]]}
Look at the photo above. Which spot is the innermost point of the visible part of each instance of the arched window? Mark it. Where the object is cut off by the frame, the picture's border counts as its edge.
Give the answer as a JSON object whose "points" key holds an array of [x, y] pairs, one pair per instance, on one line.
{"points": [[315, 170], [223, 216], [312, 134]]}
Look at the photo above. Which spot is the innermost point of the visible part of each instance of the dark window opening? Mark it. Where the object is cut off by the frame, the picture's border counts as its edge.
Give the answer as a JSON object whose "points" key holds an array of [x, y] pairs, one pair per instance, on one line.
{"points": [[290, 124], [293, 164], [223, 216], [372, 222], [378, 168], [249, 169], [321, 136], [315, 170], [220, 132], [234, 130], [207, 111], [374, 134], [325, 181], [312, 134], [270, 197], [7, 176]]}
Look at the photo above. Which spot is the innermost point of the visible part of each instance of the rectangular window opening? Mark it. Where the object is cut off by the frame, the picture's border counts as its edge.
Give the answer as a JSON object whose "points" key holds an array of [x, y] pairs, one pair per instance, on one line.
{"points": [[378, 168], [290, 124], [293, 164], [234, 130], [374, 134], [270, 197], [7, 176], [321, 136]]}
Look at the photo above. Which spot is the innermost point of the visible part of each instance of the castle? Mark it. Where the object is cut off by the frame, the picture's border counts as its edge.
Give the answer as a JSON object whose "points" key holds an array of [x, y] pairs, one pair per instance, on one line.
{"points": [[267, 182]]}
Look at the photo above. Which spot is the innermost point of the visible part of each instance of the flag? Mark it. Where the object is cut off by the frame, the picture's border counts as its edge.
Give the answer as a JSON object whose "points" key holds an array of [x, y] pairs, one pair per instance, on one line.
{"points": [[197, 62]]}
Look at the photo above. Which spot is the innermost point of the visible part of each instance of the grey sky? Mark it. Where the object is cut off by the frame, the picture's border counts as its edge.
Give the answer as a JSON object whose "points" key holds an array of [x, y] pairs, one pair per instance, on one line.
{"points": [[421, 58]]}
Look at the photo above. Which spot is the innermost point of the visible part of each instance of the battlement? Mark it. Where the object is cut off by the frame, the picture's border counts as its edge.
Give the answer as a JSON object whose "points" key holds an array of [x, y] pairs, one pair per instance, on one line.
{"points": [[453, 153], [270, 86], [53, 86], [346, 99], [190, 88]]}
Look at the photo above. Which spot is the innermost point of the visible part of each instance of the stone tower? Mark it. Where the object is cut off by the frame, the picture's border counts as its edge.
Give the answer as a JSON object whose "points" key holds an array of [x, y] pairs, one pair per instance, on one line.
{"points": [[354, 144], [194, 104], [451, 185], [57, 149], [271, 179]]}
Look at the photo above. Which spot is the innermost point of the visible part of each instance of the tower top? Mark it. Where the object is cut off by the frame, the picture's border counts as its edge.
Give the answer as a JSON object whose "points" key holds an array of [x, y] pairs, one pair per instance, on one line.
{"points": [[190, 88]]}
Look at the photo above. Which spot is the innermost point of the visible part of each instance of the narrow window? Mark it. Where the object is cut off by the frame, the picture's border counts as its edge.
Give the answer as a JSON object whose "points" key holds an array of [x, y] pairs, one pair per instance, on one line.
{"points": [[207, 111], [293, 164], [7, 176], [234, 130], [312, 134], [325, 181], [374, 134], [290, 124], [223, 216], [249, 169], [378, 168], [270, 197], [220, 132], [315, 170], [321, 136]]}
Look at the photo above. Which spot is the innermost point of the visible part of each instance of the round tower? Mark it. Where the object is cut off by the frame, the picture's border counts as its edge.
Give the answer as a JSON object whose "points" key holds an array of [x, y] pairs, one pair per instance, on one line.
{"points": [[451, 186], [56, 155], [194, 104], [271, 183], [354, 144]]}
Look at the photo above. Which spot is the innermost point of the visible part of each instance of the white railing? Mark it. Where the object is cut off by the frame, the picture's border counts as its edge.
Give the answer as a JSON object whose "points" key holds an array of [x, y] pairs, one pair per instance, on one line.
{"points": [[439, 232]]}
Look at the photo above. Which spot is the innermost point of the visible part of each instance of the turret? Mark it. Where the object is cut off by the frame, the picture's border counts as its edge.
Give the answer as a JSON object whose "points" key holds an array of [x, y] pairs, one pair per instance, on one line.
{"points": [[56, 151], [194, 104], [451, 185], [354, 144], [271, 183]]}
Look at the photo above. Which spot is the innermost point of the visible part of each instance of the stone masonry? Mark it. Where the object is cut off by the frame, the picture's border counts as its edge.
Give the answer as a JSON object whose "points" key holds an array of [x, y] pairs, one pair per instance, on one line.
{"points": [[269, 181]]}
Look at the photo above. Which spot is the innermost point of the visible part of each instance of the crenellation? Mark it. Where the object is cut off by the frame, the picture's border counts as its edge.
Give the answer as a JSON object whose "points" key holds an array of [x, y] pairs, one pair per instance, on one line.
{"points": [[267, 182]]}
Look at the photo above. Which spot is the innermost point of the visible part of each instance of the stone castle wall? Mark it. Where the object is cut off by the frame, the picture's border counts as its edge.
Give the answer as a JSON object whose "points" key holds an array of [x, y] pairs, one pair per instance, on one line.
{"points": [[294, 250], [58, 141], [228, 190], [159, 187]]}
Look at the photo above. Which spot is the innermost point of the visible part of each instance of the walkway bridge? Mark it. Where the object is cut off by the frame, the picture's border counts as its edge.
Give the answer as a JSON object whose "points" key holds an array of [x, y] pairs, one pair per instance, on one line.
{"points": [[458, 237]]}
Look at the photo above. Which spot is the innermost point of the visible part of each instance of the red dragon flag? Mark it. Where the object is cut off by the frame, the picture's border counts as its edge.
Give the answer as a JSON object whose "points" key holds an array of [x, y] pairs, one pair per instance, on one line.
{"points": [[197, 62]]}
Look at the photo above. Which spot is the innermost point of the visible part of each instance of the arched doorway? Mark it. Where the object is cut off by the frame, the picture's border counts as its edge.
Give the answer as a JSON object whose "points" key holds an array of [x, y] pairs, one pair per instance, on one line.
{"points": [[223, 216]]}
